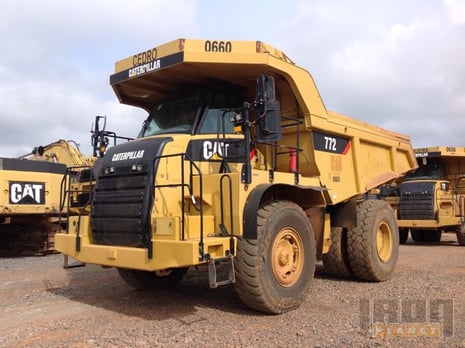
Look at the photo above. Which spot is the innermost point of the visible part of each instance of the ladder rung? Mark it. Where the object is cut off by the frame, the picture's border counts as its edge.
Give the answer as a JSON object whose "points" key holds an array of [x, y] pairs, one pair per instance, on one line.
{"points": [[212, 276]]}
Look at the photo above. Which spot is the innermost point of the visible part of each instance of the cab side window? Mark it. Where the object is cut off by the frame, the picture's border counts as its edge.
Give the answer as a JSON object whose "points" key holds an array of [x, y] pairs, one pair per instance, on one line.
{"points": [[216, 121]]}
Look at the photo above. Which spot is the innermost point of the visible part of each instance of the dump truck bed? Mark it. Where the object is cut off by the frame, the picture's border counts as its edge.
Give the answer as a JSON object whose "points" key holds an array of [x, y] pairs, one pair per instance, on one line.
{"points": [[354, 156], [358, 156]]}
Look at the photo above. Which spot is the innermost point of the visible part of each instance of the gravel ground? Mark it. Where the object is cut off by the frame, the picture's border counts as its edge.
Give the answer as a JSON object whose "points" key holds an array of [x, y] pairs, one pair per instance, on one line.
{"points": [[43, 305]]}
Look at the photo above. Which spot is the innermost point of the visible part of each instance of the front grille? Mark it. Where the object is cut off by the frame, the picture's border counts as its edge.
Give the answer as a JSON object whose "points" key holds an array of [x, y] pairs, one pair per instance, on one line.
{"points": [[118, 214], [417, 201], [123, 196]]}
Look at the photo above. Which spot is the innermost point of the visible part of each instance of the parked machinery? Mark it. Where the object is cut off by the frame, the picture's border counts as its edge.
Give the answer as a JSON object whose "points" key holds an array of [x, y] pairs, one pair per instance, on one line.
{"points": [[239, 162]]}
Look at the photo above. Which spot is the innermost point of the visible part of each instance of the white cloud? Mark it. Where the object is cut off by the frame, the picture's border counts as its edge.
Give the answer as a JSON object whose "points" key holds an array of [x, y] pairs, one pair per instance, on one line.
{"points": [[400, 67], [396, 64], [56, 61], [456, 10]]}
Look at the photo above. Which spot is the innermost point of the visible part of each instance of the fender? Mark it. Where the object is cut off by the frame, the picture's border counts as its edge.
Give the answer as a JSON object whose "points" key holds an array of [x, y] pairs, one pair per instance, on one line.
{"points": [[251, 207], [295, 193]]}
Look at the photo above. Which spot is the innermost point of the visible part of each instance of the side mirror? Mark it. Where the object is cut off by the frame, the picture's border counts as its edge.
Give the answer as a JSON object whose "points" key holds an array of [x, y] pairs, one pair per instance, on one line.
{"points": [[98, 140], [268, 110]]}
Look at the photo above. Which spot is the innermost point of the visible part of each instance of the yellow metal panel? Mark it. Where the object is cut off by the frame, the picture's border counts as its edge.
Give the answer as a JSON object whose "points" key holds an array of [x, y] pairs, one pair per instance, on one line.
{"points": [[166, 226], [428, 224], [326, 234], [166, 254], [193, 226], [149, 55], [436, 151], [51, 192]]}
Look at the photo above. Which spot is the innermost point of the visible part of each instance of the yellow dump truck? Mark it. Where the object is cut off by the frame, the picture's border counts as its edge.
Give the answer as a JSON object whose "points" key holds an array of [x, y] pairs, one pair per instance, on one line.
{"points": [[239, 162], [30, 197], [432, 199]]}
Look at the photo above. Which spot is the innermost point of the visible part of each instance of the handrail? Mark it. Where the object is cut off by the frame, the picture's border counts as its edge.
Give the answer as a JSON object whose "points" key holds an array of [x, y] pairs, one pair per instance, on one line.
{"points": [[194, 170], [231, 233], [66, 195]]}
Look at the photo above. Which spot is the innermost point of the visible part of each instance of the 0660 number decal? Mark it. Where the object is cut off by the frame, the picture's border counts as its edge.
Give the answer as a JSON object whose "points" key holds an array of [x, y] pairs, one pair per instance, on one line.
{"points": [[218, 46]]}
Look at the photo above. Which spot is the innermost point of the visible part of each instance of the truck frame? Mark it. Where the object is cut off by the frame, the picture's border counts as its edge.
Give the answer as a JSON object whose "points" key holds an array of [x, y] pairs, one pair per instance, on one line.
{"points": [[240, 163]]}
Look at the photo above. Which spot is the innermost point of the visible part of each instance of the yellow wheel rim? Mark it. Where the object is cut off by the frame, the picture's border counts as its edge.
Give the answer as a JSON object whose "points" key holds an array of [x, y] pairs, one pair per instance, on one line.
{"points": [[384, 242], [287, 257]]}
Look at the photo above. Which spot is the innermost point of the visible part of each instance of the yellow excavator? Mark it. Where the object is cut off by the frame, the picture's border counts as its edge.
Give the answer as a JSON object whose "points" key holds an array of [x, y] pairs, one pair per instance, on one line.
{"points": [[30, 197], [31, 208]]}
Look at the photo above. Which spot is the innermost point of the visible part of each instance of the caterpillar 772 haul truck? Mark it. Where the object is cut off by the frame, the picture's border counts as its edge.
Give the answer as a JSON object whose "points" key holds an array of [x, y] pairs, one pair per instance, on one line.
{"points": [[432, 199], [239, 162]]}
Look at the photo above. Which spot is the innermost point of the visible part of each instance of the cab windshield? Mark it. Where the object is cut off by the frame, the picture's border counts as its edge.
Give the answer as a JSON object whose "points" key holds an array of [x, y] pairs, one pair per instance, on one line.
{"points": [[431, 171], [201, 113]]}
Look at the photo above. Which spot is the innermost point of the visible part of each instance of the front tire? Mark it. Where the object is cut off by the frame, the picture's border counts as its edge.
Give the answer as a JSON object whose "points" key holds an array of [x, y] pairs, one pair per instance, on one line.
{"points": [[145, 280], [403, 235], [418, 235], [274, 271], [433, 236], [373, 245], [461, 235]]}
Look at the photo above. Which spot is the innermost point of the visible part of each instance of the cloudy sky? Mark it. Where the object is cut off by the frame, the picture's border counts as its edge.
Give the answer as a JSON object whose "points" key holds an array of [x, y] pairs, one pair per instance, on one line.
{"points": [[399, 64]]}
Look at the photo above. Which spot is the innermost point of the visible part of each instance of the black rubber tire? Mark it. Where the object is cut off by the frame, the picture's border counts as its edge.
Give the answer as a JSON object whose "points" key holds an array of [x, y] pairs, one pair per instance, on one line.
{"points": [[403, 235], [258, 281], [433, 236], [144, 280], [461, 235], [368, 260], [418, 235], [460, 238], [335, 261]]}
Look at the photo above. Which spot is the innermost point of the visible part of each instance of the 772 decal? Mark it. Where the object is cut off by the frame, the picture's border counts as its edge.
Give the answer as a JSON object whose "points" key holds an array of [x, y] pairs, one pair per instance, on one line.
{"points": [[331, 143]]}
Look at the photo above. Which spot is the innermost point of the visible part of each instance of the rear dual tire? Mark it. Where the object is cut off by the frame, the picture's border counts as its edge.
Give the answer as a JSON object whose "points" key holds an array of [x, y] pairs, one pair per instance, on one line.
{"points": [[373, 245], [336, 261]]}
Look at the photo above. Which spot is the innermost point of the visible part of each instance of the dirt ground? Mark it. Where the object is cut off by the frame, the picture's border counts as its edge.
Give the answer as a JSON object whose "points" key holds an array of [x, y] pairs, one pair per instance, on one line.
{"points": [[44, 305]]}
